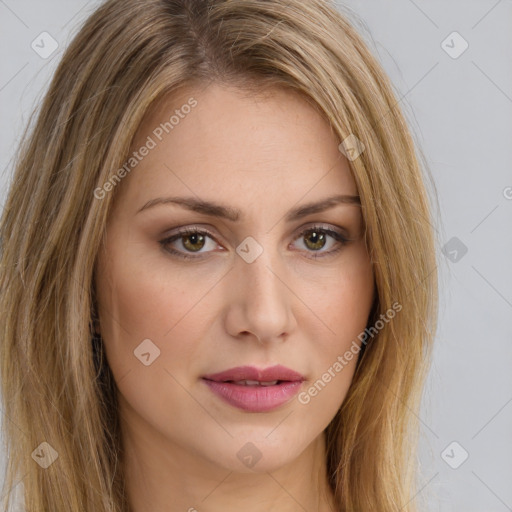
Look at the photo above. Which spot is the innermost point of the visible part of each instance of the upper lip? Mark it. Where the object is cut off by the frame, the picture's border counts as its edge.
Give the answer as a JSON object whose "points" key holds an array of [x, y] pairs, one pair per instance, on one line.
{"points": [[270, 374]]}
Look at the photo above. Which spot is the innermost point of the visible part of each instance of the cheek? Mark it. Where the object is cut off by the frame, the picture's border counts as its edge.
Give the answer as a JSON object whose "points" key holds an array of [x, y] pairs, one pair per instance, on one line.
{"points": [[343, 304], [345, 296], [148, 327], [343, 307], [140, 302]]}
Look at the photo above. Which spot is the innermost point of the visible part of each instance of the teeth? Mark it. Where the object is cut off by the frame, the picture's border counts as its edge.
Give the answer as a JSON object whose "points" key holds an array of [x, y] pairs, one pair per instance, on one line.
{"points": [[255, 383]]}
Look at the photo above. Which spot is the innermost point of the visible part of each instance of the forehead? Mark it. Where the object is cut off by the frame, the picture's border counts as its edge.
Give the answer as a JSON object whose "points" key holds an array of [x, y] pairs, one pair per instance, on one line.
{"points": [[232, 142]]}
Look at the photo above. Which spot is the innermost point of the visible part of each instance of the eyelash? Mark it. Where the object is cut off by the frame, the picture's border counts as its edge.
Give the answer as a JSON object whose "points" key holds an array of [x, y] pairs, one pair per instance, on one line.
{"points": [[342, 241]]}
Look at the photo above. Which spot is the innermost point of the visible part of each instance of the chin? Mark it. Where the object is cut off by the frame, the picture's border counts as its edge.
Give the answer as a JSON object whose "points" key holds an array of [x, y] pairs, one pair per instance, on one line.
{"points": [[256, 453]]}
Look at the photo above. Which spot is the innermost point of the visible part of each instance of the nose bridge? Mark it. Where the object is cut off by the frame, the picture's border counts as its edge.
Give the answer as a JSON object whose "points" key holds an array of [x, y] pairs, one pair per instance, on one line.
{"points": [[257, 266], [255, 260], [262, 298]]}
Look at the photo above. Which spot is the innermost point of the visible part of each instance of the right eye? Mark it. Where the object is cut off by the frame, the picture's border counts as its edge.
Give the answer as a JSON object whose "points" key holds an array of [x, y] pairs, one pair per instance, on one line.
{"points": [[192, 240]]}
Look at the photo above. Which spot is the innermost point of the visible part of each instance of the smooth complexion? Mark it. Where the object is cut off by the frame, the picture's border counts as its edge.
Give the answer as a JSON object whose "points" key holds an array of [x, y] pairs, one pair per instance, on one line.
{"points": [[300, 303]]}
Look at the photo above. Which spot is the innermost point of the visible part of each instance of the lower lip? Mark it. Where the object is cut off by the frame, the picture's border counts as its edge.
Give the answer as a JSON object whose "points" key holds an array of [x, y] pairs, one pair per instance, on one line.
{"points": [[255, 398]]}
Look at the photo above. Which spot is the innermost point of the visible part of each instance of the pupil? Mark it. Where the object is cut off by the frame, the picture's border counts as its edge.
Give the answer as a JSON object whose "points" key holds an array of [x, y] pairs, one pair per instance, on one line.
{"points": [[318, 240], [194, 239]]}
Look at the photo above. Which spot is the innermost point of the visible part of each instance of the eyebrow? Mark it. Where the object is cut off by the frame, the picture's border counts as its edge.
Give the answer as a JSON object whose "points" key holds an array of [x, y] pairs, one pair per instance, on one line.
{"points": [[232, 214]]}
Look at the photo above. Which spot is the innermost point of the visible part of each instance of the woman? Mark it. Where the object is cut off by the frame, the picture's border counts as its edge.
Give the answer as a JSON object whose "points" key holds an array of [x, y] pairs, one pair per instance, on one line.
{"points": [[218, 276]]}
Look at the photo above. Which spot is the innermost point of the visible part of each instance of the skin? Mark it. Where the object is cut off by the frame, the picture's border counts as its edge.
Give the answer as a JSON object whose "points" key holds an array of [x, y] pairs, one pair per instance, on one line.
{"points": [[263, 155]]}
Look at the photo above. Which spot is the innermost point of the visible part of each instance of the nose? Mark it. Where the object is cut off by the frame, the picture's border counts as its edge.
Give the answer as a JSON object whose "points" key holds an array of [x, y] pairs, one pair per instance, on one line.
{"points": [[260, 299]]}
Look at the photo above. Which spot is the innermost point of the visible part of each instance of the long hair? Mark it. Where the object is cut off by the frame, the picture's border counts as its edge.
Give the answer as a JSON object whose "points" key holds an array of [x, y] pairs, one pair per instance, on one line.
{"points": [[56, 385]]}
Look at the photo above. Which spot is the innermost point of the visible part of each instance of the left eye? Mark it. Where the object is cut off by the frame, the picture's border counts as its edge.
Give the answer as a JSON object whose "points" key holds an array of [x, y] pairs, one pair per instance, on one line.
{"points": [[193, 240], [316, 238]]}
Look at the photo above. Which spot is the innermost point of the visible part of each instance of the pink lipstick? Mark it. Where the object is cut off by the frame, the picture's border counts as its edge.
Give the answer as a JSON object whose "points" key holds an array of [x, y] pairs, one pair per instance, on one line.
{"points": [[254, 390]]}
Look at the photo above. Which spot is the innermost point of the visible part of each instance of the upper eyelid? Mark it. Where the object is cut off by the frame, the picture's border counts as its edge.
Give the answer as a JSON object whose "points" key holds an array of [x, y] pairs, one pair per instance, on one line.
{"points": [[200, 229]]}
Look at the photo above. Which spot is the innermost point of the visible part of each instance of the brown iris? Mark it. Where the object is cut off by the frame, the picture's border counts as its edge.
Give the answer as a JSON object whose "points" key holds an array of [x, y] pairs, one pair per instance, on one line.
{"points": [[318, 240], [189, 241]]}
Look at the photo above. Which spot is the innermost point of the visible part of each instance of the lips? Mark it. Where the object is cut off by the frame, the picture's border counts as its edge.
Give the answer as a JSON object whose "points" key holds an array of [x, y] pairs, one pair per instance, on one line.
{"points": [[249, 375], [253, 390]]}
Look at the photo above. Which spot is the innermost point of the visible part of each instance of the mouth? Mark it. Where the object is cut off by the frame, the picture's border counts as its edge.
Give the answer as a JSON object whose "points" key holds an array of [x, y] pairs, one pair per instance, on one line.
{"points": [[250, 375], [253, 390], [253, 382]]}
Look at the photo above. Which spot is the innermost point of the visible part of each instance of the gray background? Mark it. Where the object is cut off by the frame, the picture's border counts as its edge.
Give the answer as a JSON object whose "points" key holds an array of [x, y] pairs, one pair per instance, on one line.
{"points": [[460, 110]]}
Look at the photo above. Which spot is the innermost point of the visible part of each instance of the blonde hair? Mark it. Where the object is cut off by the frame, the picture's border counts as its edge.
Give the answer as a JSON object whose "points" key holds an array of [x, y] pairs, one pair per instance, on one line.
{"points": [[55, 382]]}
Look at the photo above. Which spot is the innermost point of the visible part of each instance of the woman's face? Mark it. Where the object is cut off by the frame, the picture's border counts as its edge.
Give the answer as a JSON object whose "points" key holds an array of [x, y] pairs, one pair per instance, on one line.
{"points": [[259, 280]]}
